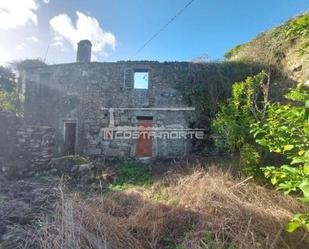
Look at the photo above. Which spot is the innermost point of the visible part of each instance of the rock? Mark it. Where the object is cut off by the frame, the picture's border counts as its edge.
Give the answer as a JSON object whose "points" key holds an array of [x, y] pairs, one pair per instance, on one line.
{"points": [[82, 168], [67, 164]]}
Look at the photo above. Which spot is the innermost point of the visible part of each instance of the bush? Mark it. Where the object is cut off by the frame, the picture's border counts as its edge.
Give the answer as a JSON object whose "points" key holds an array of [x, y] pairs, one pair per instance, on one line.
{"points": [[11, 102], [233, 121], [286, 131], [298, 28], [10, 98], [250, 158]]}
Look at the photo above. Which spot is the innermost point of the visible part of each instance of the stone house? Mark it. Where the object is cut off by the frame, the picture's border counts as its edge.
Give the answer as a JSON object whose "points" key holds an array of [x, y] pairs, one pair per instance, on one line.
{"points": [[100, 108]]}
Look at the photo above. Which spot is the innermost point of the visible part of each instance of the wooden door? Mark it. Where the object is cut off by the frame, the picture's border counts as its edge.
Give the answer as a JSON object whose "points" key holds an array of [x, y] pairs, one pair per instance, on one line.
{"points": [[69, 138], [144, 143]]}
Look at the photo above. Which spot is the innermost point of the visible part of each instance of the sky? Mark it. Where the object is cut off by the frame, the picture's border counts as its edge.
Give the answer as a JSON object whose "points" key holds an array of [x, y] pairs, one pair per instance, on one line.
{"points": [[50, 29]]}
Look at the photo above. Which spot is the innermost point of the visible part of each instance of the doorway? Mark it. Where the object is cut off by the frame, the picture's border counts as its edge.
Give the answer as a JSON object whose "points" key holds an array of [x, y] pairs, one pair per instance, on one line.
{"points": [[144, 142], [69, 137]]}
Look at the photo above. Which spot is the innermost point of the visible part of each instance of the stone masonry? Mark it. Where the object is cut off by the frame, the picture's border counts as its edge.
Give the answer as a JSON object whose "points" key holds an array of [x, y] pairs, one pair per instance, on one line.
{"points": [[84, 92], [24, 149]]}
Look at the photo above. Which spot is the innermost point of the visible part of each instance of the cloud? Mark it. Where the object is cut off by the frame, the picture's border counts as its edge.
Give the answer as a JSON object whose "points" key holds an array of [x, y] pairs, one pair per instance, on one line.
{"points": [[59, 43], [20, 46], [4, 56], [15, 13], [33, 39], [86, 27], [46, 1]]}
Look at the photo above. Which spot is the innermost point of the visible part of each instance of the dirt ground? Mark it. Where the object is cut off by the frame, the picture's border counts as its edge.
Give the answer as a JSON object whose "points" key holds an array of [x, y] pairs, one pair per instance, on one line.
{"points": [[25, 204], [22, 206]]}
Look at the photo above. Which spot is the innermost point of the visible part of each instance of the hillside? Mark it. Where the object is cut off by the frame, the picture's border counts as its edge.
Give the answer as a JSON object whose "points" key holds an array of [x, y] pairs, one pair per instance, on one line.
{"points": [[285, 46]]}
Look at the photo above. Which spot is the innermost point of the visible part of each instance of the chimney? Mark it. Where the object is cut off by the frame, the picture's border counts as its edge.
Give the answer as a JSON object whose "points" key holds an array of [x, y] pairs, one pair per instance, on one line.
{"points": [[84, 51]]}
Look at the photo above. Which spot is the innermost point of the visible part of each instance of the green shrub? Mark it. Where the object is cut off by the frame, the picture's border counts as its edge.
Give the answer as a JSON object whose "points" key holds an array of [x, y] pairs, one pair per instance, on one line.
{"points": [[232, 123], [10, 97], [286, 131], [298, 28], [11, 102], [250, 159]]}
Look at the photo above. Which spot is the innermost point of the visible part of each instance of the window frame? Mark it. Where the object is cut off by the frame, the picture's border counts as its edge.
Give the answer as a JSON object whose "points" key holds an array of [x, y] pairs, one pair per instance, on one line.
{"points": [[141, 70]]}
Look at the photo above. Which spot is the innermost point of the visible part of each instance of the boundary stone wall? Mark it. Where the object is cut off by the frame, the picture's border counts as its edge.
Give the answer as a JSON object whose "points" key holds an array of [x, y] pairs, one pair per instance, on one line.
{"points": [[24, 149]]}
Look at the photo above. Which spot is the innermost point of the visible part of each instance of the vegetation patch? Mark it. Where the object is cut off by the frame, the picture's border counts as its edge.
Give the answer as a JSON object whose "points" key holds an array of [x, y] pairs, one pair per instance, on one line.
{"points": [[210, 84], [285, 48], [232, 123], [252, 125], [132, 174], [76, 159], [11, 99], [233, 52]]}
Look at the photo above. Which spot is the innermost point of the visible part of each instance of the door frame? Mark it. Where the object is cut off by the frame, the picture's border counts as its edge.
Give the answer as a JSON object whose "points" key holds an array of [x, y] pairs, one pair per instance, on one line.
{"points": [[138, 119], [74, 121]]}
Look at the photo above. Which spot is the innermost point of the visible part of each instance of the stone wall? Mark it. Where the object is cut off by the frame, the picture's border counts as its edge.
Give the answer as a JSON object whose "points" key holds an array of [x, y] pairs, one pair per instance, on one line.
{"points": [[36, 144], [9, 124], [24, 149], [84, 92]]}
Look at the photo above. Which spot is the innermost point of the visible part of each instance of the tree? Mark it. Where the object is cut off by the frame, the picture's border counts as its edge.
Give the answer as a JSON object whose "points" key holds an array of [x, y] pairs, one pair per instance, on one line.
{"points": [[232, 123], [248, 103], [7, 79], [28, 63], [10, 98]]}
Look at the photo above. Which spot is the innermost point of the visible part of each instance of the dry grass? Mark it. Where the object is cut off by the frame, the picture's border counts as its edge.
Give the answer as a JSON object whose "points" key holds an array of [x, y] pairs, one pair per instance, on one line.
{"points": [[197, 210]]}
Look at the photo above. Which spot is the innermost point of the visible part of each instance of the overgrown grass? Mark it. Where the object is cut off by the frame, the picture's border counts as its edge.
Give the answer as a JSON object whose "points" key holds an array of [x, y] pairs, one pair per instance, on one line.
{"points": [[132, 174], [212, 211], [209, 242]]}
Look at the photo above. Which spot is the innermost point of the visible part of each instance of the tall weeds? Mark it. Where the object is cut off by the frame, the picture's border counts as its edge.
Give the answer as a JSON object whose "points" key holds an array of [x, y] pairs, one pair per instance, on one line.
{"points": [[199, 210]]}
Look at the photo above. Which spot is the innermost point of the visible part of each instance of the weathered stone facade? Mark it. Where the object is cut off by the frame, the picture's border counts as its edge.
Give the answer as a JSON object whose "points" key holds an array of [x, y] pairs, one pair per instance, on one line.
{"points": [[24, 149], [86, 100], [82, 93]]}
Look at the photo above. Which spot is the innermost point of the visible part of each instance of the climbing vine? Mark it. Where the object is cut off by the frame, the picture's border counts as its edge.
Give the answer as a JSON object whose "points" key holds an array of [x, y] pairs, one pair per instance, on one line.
{"points": [[209, 84]]}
